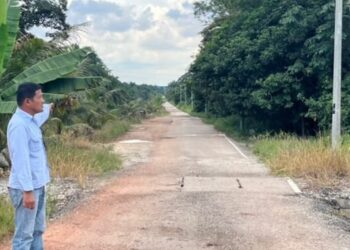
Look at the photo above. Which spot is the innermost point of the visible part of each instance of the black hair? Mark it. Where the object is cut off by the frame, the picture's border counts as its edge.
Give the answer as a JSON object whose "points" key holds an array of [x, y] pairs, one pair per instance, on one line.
{"points": [[26, 90]]}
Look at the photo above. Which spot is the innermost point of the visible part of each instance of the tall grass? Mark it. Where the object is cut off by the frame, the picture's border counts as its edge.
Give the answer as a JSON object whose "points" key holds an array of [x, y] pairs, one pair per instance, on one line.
{"points": [[6, 217], [185, 108], [311, 158], [111, 130], [78, 159]]}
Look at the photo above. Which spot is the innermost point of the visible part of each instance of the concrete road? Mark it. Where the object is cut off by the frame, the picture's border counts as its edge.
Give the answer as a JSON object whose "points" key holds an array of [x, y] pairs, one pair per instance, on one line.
{"points": [[196, 190]]}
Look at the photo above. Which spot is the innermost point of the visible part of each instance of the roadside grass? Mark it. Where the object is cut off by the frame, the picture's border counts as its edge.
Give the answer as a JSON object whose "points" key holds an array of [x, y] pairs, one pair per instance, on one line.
{"points": [[312, 159], [185, 108], [6, 217], [111, 130], [79, 158], [228, 125], [50, 206]]}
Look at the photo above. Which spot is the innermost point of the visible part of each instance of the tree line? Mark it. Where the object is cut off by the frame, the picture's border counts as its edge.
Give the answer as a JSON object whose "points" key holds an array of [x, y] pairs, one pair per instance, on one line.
{"points": [[269, 63]]}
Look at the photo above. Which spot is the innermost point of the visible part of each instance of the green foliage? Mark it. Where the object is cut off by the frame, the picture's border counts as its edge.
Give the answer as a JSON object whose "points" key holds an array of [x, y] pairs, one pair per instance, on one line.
{"points": [[143, 91], [269, 62], [268, 147], [8, 107], [111, 130], [6, 217], [27, 53], [10, 14], [50, 206], [229, 125], [46, 13], [47, 70], [71, 84], [106, 161], [185, 108], [79, 159]]}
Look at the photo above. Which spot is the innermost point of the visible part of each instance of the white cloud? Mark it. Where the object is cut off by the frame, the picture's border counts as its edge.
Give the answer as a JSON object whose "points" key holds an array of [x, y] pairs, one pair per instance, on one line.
{"points": [[141, 41]]}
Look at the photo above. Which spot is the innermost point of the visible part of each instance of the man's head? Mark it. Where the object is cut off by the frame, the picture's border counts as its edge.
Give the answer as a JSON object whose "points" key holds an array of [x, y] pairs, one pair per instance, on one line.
{"points": [[30, 98]]}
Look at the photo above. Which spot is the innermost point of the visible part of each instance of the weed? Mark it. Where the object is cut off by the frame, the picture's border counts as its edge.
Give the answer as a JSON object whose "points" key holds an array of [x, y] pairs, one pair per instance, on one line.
{"points": [[79, 159], [6, 217], [311, 158]]}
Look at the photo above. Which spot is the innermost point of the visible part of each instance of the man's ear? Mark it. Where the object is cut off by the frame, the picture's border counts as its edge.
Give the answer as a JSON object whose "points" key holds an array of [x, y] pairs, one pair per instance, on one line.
{"points": [[27, 101]]}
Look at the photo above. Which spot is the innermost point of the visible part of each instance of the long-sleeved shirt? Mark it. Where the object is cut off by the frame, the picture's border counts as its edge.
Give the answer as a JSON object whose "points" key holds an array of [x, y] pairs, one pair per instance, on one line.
{"points": [[30, 169]]}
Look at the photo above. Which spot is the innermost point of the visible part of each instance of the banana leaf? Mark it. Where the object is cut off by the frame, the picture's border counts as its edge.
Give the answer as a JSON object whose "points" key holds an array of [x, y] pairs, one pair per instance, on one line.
{"points": [[67, 84], [3, 12], [13, 16], [47, 70], [3, 33], [7, 107], [9, 18]]}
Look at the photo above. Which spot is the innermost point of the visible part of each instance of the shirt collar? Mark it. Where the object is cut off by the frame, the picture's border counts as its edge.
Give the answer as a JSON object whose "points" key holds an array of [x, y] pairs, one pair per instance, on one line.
{"points": [[24, 114]]}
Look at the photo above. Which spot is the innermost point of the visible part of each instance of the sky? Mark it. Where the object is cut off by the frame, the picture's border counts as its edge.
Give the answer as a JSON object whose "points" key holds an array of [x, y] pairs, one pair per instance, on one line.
{"points": [[141, 41]]}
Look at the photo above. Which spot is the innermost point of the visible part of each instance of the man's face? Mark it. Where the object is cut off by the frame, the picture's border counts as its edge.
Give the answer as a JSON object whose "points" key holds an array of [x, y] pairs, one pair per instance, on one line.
{"points": [[36, 104]]}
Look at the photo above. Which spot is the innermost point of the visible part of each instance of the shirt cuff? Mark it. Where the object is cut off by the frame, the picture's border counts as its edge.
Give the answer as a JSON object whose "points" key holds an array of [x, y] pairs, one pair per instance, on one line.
{"points": [[27, 188]]}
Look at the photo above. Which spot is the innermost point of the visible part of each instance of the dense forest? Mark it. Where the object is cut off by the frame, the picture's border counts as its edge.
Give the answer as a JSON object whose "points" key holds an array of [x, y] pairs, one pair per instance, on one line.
{"points": [[268, 64]]}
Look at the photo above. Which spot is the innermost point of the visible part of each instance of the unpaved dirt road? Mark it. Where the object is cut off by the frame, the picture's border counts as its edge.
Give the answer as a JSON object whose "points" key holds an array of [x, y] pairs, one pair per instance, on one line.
{"points": [[195, 191]]}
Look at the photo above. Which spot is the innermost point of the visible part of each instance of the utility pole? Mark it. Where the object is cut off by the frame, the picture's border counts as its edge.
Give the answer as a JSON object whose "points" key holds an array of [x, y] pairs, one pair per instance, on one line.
{"points": [[336, 116]]}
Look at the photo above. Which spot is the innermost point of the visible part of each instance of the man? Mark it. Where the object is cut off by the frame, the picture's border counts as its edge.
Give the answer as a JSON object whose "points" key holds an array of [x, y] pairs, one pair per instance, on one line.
{"points": [[29, 171]]}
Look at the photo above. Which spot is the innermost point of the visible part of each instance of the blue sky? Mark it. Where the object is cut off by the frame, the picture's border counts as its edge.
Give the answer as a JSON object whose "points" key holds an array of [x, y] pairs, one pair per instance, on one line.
{"points": [[144, 41]]}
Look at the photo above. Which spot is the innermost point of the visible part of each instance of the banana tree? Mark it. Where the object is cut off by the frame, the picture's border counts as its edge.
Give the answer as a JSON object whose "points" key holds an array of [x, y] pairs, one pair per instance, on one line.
{"points": [[10, 13], [48, 72], [52, 71]]}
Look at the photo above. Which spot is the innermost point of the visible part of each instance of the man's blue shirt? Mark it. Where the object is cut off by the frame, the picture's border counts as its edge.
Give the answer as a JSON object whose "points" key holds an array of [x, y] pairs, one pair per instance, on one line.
{"points": [[29, 169]]}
